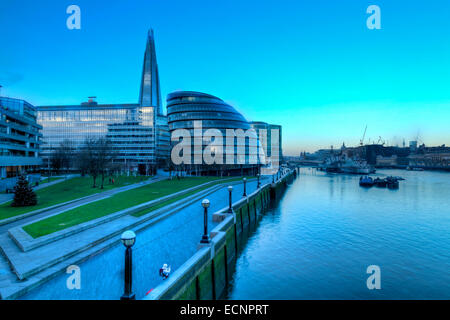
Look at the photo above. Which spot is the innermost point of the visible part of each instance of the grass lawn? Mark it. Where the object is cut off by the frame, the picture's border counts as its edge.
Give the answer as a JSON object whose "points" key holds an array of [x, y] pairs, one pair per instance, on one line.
{"points": [[115, 203], [70, 189], [52, 179], [172, 200]]}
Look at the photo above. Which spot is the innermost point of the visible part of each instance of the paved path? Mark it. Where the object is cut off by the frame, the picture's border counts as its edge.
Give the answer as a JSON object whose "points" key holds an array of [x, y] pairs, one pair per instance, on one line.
{"points": [[5, 197], [83, 201], [172, 240]]}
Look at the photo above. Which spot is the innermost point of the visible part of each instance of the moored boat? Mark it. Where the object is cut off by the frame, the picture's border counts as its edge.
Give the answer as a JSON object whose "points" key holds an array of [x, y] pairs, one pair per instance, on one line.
{"points": [[380, 183], [366, 181], [392, 182]]}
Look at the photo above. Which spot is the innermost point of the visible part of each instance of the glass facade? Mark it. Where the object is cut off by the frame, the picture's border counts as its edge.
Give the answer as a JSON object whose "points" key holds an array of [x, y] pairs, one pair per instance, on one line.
{"points": [[130, 128], [185, 109], [20, 137], [150, 93], [266, 130], [138, 132]]}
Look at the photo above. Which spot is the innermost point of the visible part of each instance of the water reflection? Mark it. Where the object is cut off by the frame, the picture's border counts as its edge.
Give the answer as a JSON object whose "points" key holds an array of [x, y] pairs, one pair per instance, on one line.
{"points": [[325, 232]]}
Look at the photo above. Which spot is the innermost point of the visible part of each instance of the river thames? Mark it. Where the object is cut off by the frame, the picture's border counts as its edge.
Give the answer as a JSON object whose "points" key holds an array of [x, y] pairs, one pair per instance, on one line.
{"points": [[326, 230]]}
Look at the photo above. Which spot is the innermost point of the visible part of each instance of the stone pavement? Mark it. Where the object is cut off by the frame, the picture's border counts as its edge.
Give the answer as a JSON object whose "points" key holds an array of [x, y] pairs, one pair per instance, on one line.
{"points": [[171, 239]]}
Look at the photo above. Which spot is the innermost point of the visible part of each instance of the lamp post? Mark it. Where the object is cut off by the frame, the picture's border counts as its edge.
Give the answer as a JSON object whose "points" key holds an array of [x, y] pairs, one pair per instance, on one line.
{"points": [[245, 187], [230, 206], [273, 178], [259, 182], [205, 237], [128, 239]]}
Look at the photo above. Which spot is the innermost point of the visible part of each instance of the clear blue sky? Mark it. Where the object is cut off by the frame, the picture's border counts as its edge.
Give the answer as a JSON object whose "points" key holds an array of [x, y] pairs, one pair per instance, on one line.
{"points": [[311, 66]]}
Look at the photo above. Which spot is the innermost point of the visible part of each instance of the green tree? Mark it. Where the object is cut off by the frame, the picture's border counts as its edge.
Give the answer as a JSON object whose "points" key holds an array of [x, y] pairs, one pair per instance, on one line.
{"points": [[23, 194]]}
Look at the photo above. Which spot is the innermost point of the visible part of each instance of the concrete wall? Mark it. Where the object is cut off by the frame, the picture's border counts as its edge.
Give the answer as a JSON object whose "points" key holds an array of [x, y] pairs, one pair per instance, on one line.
{"points": [[205, 275]]}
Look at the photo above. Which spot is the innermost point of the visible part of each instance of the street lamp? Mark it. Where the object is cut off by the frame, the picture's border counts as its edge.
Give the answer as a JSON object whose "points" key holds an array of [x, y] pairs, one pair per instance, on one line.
{"points": [[128, 239], [259, 183], [245, 187], [205, 237], [273, 178], [230, 207]]}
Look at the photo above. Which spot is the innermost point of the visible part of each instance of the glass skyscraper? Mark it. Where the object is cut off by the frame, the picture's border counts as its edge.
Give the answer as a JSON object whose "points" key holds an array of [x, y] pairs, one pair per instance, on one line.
{"points": [[138, 132]]}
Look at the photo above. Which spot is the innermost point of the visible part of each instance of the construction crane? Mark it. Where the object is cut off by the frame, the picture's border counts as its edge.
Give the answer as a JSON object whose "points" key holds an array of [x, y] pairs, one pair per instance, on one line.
{"points": [[419, 141], [361, 142], [380, 140]]}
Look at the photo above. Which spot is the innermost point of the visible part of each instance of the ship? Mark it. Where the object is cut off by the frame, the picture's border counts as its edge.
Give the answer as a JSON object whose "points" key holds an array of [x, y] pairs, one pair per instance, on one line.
{"points": [[343, 164]]}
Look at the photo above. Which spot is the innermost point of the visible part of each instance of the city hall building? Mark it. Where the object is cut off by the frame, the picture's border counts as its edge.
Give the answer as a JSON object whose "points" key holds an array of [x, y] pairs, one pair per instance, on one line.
{"points": [[196, 115], [138, 131]]}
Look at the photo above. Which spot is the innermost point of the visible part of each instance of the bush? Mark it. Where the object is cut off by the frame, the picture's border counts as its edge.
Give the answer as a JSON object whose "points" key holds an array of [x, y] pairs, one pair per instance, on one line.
{"points": [[23, 194]]}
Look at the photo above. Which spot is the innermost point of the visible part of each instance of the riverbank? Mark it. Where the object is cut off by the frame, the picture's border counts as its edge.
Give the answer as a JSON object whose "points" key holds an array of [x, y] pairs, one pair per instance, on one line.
{"points": [[155, 245], [205, 275]]}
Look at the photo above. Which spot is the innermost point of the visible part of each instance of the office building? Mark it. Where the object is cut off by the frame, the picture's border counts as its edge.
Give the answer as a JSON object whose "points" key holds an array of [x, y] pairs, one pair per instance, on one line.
{"points": [[138, 131], [20, 139], [266, 133]]}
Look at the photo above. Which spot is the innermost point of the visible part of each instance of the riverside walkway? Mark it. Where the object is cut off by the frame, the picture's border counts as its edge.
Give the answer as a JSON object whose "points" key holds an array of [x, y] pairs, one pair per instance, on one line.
{"points": [[171, 240]]}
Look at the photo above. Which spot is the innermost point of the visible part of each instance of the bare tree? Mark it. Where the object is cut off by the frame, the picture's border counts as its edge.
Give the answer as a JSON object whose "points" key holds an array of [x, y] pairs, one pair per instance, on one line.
{"points": [[87, 159], [62, 156], [105, 157], [96, 157], [56, 160], [82, 160]]}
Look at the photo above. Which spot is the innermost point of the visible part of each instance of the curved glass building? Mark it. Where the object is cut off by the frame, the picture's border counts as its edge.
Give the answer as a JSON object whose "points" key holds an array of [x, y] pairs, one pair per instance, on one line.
{"points": [[197, 113]]}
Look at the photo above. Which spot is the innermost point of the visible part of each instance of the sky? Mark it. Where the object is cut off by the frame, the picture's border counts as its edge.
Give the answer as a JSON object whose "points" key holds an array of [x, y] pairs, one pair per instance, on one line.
{"points": [[312, 66]]}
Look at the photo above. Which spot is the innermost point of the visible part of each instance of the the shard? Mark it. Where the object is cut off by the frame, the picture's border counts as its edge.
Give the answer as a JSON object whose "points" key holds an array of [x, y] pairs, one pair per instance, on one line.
{"points": [[150, 94]]}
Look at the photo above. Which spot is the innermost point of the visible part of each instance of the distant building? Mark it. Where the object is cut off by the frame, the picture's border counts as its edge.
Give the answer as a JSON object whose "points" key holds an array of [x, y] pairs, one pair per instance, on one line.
{"points": [[267, 145], [434, 158], [138, 131], [413, 145], [386, 161], [321, 154], [20, 138]]}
